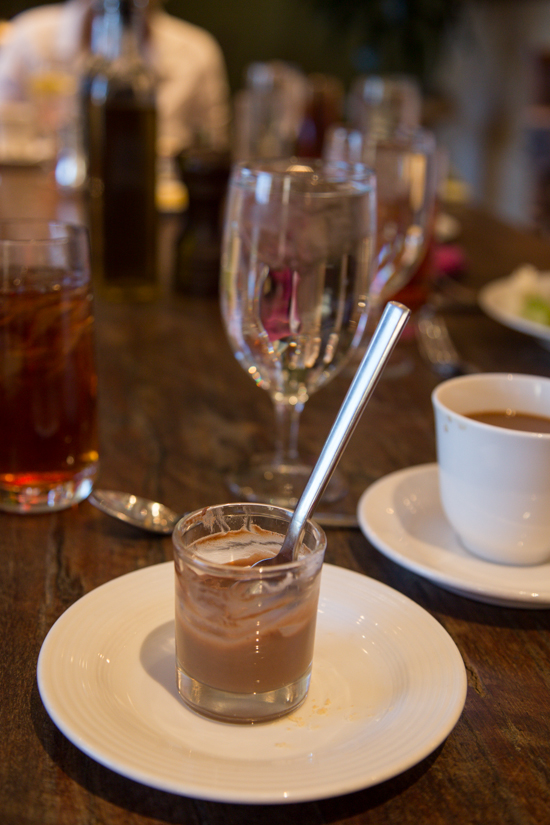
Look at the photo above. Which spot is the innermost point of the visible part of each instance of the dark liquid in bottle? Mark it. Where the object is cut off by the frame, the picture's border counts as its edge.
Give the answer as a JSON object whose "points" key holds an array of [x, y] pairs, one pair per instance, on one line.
{"points": [[123, 214]]}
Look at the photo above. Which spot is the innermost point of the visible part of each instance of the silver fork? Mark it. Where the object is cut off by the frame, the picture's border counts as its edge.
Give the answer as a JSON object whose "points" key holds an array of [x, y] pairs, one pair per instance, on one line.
{"points": [[436, 346]]}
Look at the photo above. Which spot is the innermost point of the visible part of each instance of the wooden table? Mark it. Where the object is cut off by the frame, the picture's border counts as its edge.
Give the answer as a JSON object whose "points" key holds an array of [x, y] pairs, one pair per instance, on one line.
{"points": [[177, 412]]}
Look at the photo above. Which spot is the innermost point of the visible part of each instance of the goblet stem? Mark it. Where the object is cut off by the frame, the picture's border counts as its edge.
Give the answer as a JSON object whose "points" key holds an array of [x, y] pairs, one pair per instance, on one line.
{"points": [[281, 477], [287, 423]]}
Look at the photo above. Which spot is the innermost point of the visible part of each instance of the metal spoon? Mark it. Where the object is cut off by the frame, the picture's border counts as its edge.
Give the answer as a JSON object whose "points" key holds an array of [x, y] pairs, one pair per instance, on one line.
{"points": [[139, 512], [160, 519], [383, 341]]}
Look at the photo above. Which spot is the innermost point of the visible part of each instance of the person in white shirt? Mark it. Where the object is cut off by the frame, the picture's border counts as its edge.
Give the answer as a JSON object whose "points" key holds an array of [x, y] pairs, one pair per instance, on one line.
{"points": [[192, 86]]}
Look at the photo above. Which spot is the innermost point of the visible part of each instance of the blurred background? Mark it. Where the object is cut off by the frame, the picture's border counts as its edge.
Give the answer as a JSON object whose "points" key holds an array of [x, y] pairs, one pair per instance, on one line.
{"points": [[483, 68]]}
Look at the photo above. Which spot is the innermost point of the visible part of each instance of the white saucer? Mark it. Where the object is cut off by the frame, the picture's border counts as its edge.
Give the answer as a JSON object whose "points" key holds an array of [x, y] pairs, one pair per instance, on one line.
{"points": [[388, 686], [401, 515], [500, 299]]}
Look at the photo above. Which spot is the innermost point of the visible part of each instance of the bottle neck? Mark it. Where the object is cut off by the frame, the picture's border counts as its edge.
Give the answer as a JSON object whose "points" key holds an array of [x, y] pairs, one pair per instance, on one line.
{"points": [[117, 30], [119, 65]]}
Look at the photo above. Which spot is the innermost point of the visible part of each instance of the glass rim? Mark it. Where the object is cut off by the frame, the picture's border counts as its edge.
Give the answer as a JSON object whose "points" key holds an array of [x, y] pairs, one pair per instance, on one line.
{"points": [[304, 169], [417, 140], [236, 572], [403, 138], [71, 230]]}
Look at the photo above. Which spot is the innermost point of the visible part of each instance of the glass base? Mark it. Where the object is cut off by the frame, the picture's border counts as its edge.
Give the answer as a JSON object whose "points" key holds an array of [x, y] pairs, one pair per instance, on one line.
{"points": [[46, 495], [241, 708], [280, 484]]}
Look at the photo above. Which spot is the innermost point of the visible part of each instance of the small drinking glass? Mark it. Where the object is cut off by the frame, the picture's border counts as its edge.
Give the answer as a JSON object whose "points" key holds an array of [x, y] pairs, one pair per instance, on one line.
{"points": [[244, 635], [48, 382], [297, 259]]}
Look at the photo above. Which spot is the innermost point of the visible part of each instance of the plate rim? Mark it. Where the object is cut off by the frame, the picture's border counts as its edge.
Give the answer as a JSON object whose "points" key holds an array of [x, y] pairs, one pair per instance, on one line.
{"points": [[456, 695], [469, 589], [517, 322]]}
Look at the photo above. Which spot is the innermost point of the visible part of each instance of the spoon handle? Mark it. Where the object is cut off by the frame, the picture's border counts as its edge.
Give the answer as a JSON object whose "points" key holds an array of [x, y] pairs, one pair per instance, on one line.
{"points": [[383, 341]]}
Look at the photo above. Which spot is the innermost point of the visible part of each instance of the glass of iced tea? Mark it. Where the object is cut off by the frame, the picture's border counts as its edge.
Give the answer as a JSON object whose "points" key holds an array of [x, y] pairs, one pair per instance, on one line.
{"points": [[244, 635], [48, 381]]}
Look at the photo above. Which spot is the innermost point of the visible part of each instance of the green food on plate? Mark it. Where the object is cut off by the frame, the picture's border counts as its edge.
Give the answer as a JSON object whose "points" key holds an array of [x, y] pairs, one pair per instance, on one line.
{"points": [[537, 309]]}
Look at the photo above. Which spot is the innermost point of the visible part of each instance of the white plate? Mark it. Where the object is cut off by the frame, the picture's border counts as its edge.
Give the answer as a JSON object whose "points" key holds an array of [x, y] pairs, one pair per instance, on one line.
{"points": [[388, 685], [401, 515], [500, 299]]}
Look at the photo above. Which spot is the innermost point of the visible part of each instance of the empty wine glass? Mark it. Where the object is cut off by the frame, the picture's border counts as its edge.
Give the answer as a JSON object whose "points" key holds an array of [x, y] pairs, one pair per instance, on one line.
{"points": [[296, 265]]}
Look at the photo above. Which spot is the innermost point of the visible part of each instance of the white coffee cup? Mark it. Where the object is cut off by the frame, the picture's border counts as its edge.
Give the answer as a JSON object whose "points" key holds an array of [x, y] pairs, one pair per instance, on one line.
{"points": [[494, 481]]}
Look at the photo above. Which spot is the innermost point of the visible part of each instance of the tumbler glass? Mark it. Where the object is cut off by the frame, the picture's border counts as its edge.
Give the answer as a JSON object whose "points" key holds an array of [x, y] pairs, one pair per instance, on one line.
{"points": [[48, 382], [244, 635]]}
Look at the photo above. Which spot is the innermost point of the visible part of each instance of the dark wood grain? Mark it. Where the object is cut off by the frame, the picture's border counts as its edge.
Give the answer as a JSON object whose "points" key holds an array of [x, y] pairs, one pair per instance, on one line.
{"points": [[176, 413]]}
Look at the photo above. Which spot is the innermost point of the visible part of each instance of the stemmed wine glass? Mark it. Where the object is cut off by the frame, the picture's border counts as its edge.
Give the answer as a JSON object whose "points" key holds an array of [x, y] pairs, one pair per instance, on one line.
{"points": [[297, 260], [405, 163], [405, 167]]}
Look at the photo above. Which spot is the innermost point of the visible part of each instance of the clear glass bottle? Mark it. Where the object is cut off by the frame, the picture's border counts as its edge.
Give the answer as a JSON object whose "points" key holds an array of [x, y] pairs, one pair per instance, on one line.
{"points": [[119, 111]]}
